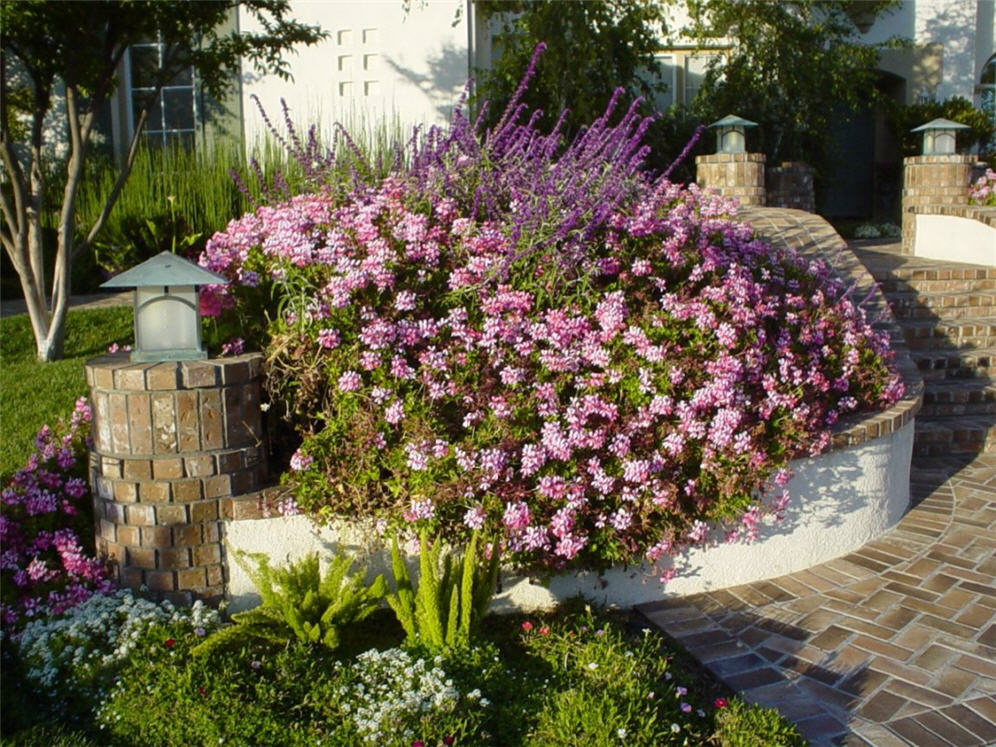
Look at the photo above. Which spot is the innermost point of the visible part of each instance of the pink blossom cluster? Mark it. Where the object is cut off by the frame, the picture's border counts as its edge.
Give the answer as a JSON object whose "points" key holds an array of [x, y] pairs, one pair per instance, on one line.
{"points": [[44, 564], [609, 412], [983, 190]]}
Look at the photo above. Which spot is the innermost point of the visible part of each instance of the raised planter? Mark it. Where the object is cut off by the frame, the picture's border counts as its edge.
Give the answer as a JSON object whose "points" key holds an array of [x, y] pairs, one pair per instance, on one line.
{"points": [[842, 499]]}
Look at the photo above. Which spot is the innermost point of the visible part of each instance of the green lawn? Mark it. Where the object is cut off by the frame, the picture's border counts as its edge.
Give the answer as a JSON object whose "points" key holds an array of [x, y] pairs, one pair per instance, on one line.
{"points": [[32, 393]]}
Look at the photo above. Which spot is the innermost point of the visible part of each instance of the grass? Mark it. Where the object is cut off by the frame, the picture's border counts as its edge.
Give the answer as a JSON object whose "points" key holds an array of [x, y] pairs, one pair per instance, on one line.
{"points": [[33, 393]]}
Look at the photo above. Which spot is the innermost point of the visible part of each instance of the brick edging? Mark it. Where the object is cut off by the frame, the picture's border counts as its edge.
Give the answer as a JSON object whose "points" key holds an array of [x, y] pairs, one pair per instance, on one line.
{"points": [[982, 213]]}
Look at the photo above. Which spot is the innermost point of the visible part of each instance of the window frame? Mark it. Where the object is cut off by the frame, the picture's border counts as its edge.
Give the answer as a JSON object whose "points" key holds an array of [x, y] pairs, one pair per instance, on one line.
{"points": [[159, 132]]}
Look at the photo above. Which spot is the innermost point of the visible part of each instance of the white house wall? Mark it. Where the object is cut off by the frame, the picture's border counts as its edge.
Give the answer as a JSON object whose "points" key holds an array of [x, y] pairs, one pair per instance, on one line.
{"points": [[378, 63], [962, 32]]}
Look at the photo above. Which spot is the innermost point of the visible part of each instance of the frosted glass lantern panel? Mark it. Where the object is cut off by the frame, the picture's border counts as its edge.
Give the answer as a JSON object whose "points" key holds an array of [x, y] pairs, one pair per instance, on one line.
{"points": [[942, 143], [167, 321], [732, 141]]}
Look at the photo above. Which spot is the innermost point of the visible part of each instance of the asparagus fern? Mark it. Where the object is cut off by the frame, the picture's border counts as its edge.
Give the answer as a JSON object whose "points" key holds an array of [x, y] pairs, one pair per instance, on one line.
{"points": [[297, 602], [444, 610]]}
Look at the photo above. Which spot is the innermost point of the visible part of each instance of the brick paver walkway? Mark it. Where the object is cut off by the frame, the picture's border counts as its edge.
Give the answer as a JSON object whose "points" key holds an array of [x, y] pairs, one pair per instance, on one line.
{"points": [[893, 644]]}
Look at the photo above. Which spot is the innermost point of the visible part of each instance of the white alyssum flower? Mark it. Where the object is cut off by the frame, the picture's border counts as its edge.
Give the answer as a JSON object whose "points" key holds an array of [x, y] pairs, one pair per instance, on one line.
{"points": [[390, 688], [102, 631]]}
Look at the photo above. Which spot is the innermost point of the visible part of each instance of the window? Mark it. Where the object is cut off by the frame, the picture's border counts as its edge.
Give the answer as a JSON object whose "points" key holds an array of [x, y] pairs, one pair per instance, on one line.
{"points": [[173, 113], [696, 67], [663, 100]]}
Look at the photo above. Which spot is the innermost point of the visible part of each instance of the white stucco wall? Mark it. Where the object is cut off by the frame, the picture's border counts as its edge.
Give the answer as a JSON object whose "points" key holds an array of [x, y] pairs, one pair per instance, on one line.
{"points": [[954, 239], [378, 62], [841, 500], [965, 29]]}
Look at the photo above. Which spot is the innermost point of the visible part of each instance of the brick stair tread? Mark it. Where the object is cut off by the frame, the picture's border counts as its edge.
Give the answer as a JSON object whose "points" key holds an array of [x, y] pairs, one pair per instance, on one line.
{"points": [[890, 285], [960, 333], [942, 298], [942, 305], [923, 326], [884, 265], [950, 363], [955, 434], [968, 396], [950, 390]]}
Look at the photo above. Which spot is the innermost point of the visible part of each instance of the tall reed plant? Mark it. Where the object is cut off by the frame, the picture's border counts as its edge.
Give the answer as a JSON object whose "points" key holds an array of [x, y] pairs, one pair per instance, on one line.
{"points": [[174, 199]]}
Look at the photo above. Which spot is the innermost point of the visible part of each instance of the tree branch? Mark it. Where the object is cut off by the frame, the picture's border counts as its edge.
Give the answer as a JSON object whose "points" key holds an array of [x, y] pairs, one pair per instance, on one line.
{"points": [[119, 183], [13, 168]]}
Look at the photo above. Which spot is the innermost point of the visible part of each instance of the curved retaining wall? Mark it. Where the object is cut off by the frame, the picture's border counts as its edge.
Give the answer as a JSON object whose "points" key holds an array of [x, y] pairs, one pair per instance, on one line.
{"points": [[842, 499], [956, 233]]}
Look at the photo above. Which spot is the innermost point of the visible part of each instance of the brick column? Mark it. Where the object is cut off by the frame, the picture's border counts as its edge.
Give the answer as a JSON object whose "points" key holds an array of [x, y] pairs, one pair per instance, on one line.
{"points": [[172, 443], [932, 180], [739, 175], [791, 186]]}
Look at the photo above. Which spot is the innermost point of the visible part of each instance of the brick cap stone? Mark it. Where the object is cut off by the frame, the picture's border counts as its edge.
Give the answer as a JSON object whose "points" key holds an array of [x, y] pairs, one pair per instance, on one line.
{"points": [[195, 374], [731, 158]]}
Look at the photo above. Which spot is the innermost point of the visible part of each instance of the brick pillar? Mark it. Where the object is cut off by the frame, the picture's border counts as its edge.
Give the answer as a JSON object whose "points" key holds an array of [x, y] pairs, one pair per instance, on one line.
{"points": [[739, 175], [791, 186], [172, 443], [932, 180]]}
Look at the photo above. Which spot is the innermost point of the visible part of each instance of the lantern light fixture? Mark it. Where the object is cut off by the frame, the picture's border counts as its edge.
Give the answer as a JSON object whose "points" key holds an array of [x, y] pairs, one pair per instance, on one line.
{"points": [[731, 133], [939, 136], [166, 307]]}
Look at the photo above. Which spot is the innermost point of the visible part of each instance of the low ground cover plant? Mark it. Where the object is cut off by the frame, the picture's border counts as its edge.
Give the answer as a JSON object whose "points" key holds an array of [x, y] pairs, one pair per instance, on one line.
{"points": [[546, 343], [47, 563], [118, 670]]}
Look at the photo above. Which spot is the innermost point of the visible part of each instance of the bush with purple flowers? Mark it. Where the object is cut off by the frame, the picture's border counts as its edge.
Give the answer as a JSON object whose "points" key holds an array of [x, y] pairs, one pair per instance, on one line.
{"points": [[593, 365], [46, 566]]}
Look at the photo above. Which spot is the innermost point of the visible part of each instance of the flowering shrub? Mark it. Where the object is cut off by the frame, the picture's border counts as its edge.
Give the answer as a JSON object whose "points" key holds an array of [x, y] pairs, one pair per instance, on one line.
{"points": [[44, 564], [592, 365], [983, 190]]}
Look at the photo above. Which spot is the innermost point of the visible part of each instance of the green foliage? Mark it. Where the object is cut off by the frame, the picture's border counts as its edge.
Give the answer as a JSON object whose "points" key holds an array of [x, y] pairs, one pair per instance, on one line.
{"points": [[573, 676], [903, 118], [24, 405], [445, 609], [795, 66], [174, 200], [592, 48], [298, 603], [743, 724], [610, 687], [166, 696]]}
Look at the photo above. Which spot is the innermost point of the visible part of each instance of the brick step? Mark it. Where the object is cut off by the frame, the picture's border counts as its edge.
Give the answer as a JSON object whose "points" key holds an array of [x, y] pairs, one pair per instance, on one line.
{"points": [[961, 434], [945, 397], [903, 271], [890, 285], [952, 363], [946, 306], [938, 334], [927, 473]]}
